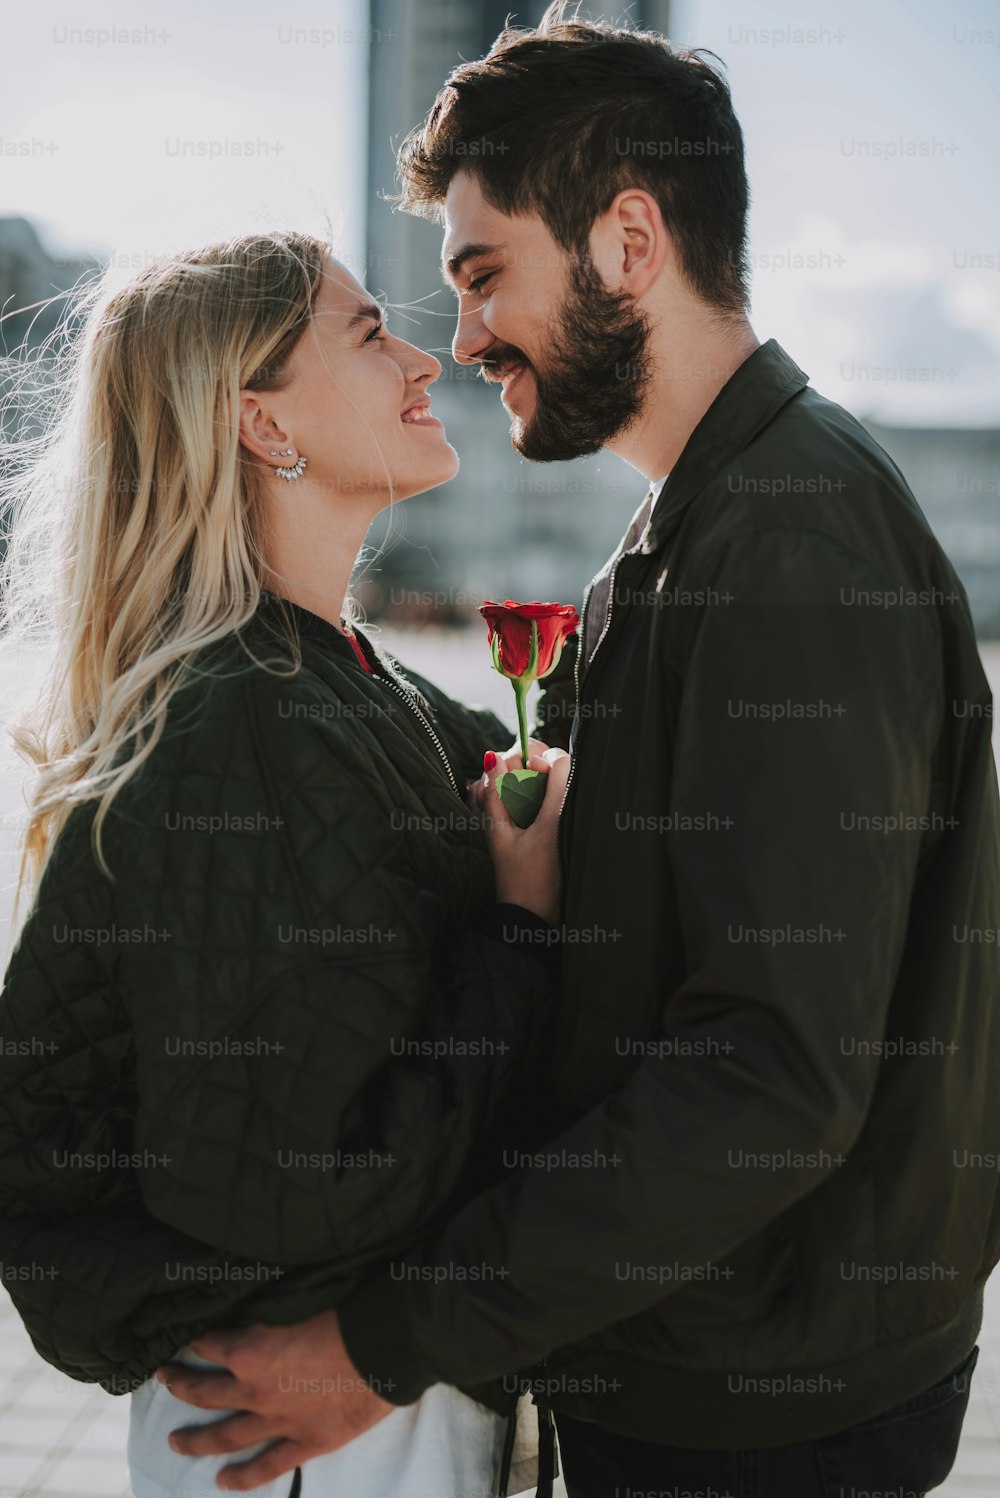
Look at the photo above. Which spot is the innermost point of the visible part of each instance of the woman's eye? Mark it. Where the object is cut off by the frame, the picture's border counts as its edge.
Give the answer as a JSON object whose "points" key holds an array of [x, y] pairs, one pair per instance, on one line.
{"points": [[480, 281], [377, 333]]}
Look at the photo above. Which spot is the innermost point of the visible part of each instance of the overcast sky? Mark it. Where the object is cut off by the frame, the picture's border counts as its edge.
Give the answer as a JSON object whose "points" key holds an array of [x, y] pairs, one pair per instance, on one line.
{"points": [[874, 161], [873, 152], [199, 118]]}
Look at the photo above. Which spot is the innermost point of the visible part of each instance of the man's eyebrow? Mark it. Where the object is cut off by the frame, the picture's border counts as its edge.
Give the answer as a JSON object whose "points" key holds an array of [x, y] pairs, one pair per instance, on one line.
{"points": [[453, 265], [366, 311]]}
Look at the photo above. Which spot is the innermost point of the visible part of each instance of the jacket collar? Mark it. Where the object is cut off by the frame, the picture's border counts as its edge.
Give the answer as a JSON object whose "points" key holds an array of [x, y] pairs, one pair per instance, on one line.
{"points": [[752, 396], [274, 609]]}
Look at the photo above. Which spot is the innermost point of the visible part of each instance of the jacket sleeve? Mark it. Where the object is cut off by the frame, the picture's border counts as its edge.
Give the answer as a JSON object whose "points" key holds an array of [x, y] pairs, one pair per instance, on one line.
{"points": [[318, 1049], [801, 716]]}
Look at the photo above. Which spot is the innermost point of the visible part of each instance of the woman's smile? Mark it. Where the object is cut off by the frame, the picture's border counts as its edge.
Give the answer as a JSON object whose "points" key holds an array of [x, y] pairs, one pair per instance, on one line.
{"points": [[419, 414]]}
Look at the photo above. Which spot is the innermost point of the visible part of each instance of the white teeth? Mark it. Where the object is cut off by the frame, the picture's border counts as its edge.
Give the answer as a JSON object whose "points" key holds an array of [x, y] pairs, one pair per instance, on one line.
{"points": [[419, 414]]}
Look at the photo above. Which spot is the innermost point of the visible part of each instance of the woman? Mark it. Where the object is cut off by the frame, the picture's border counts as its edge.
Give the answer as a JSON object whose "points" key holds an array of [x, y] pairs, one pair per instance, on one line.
{"points": [[274, 1008]]}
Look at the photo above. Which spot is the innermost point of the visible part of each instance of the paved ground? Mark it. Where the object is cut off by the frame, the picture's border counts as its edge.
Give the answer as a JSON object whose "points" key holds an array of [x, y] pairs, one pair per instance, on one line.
{"points": [[59, 1439]]}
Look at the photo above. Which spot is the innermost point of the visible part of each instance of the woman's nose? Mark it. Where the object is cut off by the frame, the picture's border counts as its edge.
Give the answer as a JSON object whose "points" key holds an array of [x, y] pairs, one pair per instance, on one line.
{"points": [[419, 365]]}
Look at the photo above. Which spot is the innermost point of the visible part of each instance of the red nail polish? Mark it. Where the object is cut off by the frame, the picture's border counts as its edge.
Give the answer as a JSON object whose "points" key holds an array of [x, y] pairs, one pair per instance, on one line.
{"points": [[489, 760]]}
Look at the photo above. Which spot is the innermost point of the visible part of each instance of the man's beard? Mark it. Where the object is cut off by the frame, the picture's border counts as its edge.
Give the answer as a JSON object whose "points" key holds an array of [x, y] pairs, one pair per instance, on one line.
{"points": [[592, 387]]}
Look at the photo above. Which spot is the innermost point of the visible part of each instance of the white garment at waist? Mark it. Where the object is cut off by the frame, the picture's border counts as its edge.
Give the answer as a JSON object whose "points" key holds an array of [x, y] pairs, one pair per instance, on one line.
{"points": [[443, 1446]]}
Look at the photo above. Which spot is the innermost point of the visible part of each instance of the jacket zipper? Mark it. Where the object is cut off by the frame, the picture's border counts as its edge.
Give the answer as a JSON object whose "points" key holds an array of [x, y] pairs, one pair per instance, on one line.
{"points": [[393, 686], [577, 683]]}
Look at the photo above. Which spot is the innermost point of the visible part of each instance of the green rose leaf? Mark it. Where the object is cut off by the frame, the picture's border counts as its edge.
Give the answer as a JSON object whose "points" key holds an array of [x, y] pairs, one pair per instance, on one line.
{"points": [[522, 793]]}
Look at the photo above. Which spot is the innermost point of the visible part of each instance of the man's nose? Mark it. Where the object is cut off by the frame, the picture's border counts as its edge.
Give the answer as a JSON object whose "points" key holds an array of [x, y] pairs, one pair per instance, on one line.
{"points": [[472, 338]]}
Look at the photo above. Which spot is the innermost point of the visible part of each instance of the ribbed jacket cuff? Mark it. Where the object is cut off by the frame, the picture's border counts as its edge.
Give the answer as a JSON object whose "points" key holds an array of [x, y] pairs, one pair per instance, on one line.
{"points": [[523, 929], [375, 1327]]}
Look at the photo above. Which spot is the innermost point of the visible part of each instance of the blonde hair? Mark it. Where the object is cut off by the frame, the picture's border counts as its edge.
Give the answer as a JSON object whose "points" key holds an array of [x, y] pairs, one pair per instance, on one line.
{"points": [[136, 521]]}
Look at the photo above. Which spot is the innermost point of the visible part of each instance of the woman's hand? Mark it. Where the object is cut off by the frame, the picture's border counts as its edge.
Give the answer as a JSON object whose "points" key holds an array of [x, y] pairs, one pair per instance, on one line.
{"points": [[513, 761], [525, 859], [537, 748]]}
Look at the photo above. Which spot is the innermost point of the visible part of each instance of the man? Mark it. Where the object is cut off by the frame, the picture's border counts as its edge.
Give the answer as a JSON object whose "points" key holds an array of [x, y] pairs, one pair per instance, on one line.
{"points": [[754, 1257]]}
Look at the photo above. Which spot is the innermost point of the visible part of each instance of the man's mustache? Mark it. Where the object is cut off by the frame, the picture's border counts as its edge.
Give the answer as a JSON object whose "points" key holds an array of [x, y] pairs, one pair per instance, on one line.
{"points": [[502, 358]]}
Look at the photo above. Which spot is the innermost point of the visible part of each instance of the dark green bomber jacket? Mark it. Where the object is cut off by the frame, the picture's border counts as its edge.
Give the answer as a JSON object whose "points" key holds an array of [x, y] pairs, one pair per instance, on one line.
{"points": [[267, 1056], [774, 1200]]}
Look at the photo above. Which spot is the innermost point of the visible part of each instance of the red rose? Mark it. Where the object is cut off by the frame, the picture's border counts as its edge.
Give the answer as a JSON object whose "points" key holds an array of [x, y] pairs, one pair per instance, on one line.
{"points": [[526, 641], [511, 627]]}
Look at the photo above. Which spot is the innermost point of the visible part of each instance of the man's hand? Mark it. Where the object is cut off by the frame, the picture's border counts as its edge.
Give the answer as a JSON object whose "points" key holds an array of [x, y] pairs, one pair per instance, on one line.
{"points": [[294, 1385]]}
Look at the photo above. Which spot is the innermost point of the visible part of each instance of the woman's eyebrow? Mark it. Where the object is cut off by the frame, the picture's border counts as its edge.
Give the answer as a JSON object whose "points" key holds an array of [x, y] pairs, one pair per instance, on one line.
{"points": [[367, 311]]}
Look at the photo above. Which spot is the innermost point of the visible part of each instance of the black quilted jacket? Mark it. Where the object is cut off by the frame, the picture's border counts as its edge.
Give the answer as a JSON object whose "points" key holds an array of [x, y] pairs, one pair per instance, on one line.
{"points": [[291, 1030]]}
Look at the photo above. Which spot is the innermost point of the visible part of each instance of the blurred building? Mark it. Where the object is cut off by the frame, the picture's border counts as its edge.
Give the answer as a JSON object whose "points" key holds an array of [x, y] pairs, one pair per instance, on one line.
{"points": [[955, 476], [503, 526], [30, 278], [31, 305]]}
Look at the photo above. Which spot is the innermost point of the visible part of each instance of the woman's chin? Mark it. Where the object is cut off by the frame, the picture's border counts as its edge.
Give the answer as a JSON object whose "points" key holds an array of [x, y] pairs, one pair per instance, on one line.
{"points": [[430, 475]]}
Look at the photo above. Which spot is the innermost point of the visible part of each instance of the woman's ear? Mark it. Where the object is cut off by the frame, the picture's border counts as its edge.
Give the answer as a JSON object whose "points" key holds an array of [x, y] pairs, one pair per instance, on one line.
{"points": [[260, 434]]}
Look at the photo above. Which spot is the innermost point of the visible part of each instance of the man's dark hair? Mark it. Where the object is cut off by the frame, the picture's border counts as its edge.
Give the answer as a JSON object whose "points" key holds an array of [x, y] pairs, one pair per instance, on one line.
{"points": [[558, 120]]}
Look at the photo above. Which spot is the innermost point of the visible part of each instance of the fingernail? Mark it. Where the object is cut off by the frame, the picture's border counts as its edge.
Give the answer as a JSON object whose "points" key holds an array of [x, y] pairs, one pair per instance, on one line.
{"points": [[173, 1443], [489, 760]]}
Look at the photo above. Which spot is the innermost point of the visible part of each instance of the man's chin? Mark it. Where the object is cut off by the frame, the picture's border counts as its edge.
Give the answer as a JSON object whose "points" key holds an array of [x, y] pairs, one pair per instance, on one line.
{"points": [[519, 436], [547, 446], [542, 440]]}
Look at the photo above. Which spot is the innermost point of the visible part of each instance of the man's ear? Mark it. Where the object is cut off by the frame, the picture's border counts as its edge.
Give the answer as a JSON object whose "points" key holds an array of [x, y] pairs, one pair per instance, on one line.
{"points": [[629, 243], [260, 433]]}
